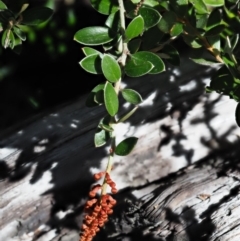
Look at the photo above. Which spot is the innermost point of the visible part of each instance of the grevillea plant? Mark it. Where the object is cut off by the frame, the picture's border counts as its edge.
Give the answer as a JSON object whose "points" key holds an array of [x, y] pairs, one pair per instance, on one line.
{"points": [[136, 39], [138, 48]]}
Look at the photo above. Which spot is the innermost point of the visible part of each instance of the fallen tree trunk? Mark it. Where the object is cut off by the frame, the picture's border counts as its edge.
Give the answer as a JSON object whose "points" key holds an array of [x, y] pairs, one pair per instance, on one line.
{"points": [[47, 162], [200, 202]]}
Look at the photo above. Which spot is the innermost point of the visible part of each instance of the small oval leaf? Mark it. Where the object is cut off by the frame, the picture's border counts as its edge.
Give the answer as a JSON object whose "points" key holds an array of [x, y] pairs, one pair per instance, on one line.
{"points": [[90, 51], [154, 59], [101, 137], [136, 67], [19, 33], [214, 3], [150, 16], [135, 28], [92, 64], [105, 6], [110, 99], [2, 5], [111, 68], [126, 146], [171, 55], [36, 15], [90, 101], [132, 96], [93, 35]]}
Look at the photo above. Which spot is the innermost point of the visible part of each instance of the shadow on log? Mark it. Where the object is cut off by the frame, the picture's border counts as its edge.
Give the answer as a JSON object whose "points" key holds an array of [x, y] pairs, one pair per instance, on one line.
{"points": [[47, 165]]}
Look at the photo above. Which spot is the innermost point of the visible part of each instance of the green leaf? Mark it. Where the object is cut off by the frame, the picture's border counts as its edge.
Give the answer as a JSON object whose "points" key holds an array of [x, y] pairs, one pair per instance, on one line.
{"points": [[150, 16], [36, 15], [237, 114], [176, 29], [214, 3], [91, 99], [126, 146], [134, 45], [105, 6], [171, 55], [101, 137], [113, 21], [192, 41], [215, 42], [151, 38], [168, 20], [203, 57], [154, 59], [110, 99], [135, 28], [180, 6], [92, 64], [202, 21], [223, 84], [19, 33], [136, 67], [90, 51], [6, 15], [110, 68], [2, 5], [11, 40], [214, 19], [215, 30], [199, 6], [8, 39], [93, 36], [131, 96]]}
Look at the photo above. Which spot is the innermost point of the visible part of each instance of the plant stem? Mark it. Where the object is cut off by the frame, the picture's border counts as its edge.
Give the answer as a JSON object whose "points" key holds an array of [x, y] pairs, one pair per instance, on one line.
{"points": [[117, 87]]}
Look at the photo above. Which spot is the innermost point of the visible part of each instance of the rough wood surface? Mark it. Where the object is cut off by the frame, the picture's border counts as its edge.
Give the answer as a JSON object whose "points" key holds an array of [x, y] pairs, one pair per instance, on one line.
{"points": [[47, 163], [200, 202]]}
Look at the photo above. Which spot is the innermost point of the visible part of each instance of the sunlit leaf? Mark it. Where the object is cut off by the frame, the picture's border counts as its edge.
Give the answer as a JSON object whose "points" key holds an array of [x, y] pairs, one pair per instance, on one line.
{"points": [[150, 16], [90, 51], [110, 99], [93, 35], [2, 5], [126, 146], [214, 3], [154, 59], [110, 68], [136, 67], [105, 6], [92, 64], [101, 137], [135, 28], [131, 96], [200, 6]]}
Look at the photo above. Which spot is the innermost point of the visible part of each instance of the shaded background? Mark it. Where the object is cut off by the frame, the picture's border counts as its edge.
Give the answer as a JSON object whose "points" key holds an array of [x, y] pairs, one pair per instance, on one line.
{"points": [[47, 72]]}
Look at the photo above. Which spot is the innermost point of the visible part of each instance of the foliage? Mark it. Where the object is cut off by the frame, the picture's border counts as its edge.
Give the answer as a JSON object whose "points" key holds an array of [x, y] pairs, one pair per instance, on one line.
{"points": [[141, 47], [12, 23]]}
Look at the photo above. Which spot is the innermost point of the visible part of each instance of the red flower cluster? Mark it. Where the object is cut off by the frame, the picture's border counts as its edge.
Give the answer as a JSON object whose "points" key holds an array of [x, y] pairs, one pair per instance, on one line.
{"points": [[97, 210]]}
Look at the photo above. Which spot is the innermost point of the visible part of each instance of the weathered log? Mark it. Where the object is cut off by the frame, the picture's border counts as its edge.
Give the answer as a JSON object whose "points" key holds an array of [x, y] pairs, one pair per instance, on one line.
{"points": [[47, 162], [200, 202]]}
